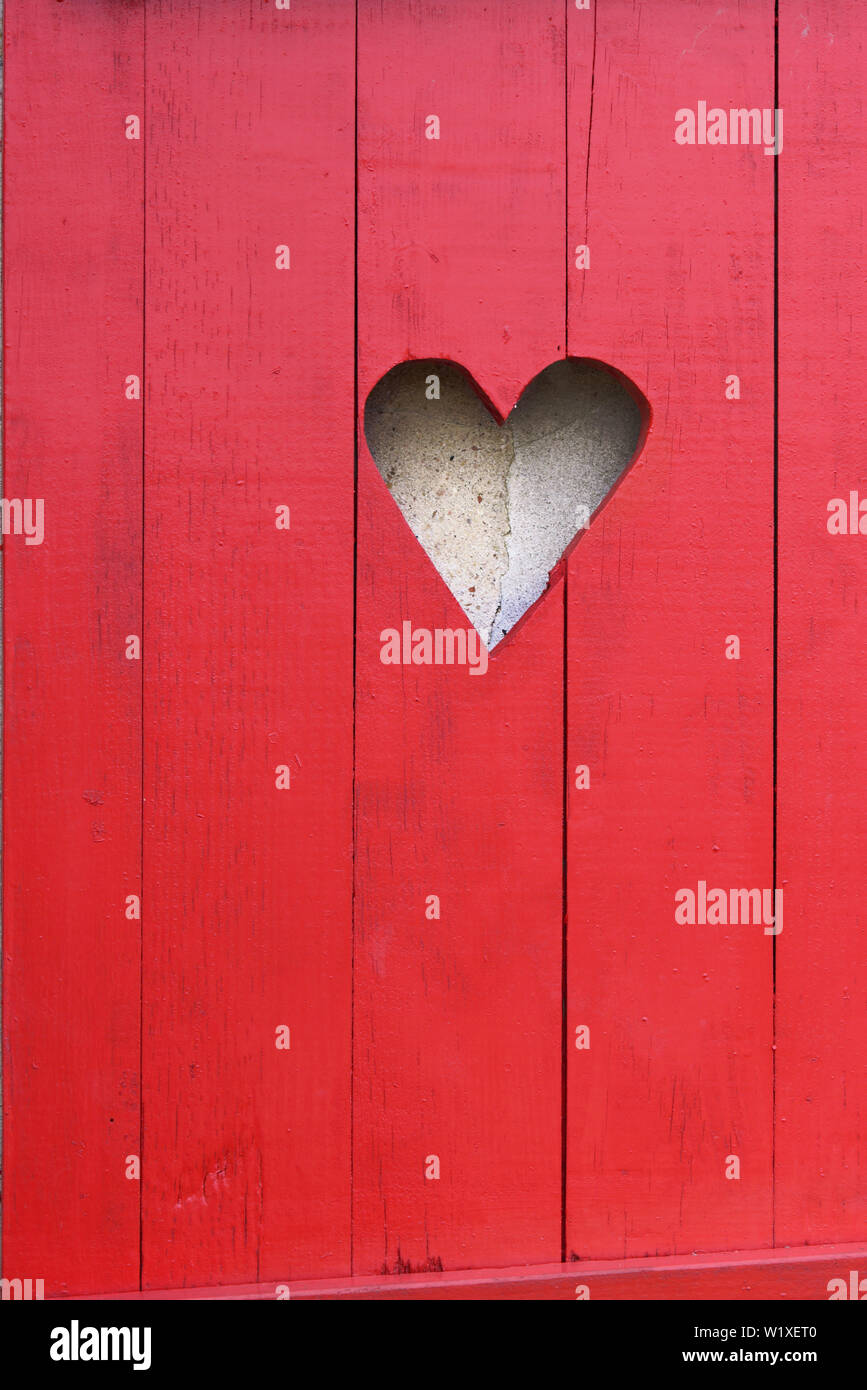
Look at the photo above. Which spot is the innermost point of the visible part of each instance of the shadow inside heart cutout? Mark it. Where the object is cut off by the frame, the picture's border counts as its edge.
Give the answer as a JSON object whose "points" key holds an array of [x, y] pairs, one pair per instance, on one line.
{"points": [[495, 506]]}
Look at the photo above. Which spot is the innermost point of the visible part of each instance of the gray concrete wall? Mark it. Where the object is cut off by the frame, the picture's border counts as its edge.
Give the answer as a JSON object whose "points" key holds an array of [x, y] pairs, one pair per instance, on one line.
{"points": [[495, 507]]}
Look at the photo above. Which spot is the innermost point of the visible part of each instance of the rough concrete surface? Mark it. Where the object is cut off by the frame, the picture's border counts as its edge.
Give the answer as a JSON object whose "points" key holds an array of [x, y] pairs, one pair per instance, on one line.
{"points": [[495, 507]]}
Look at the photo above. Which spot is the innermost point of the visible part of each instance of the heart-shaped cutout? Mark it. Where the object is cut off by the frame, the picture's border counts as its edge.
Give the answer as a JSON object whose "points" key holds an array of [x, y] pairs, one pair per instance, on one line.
{"points": [[495, 506]]}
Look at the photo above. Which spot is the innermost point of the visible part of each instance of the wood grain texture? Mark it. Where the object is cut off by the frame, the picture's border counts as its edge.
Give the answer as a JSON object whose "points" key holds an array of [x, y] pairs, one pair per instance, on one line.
{"points": [[822, 818], [457, 1020], [677, 739], [248, 652], [72, 701]]}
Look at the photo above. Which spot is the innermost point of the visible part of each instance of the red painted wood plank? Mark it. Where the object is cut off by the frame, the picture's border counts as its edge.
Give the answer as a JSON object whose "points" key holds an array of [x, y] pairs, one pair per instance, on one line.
{"points": [[72, 700], [822, 821], [457, 1020], [744, 1276], [677, 738], [248, 652]]}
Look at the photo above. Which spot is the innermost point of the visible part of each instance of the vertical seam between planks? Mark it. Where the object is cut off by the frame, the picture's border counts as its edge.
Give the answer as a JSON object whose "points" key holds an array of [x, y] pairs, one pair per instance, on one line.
{"points": [[3, 46], [354, 674], [564, 1067], [144, 654], [565, 934], [590, 128], [564, 1147], [776, 399]]}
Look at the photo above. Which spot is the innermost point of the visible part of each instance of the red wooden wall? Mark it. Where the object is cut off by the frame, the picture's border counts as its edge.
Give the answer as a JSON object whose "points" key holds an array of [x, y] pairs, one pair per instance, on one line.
{"points": [[458, 779], [822, 814], [73, 735], [678, 738], [278, 236], [248, 642]]}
